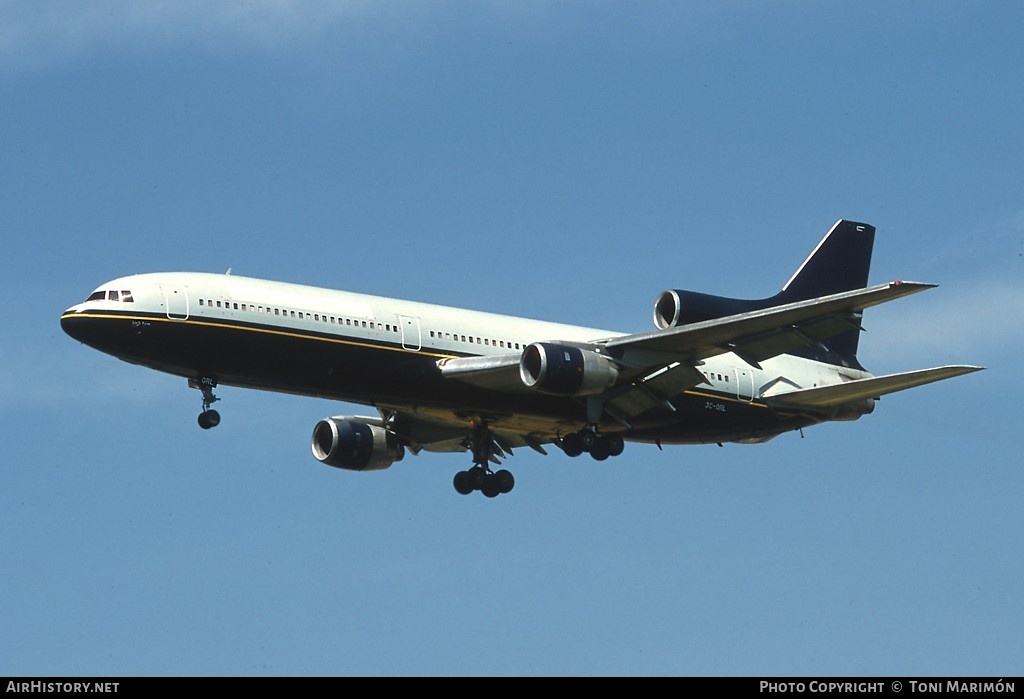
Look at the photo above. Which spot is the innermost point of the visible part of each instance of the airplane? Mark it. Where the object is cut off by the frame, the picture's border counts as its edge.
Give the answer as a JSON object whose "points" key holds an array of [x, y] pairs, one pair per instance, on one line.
{"points": [[714, 369]]}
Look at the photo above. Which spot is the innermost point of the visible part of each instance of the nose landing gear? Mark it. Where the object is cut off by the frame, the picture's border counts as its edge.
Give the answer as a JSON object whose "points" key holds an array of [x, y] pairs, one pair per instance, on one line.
{"points": [[209, 417]]}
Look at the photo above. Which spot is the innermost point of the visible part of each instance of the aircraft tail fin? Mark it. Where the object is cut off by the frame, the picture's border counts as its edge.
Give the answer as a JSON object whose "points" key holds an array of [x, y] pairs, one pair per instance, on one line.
{"points": [[840, 262]]}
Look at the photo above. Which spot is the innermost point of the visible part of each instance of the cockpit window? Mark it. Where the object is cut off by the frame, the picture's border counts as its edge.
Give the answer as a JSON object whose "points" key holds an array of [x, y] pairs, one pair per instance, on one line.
{"points": [[123, 296]]}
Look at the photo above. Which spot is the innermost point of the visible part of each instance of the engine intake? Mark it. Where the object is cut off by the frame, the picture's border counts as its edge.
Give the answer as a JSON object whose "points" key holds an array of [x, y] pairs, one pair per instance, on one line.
{"points": [[565, 370], [355, 445]]}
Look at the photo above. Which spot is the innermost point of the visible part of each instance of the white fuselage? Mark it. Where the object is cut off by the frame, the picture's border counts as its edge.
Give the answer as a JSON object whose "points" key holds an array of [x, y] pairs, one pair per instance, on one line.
{"points": [[377, 337]]}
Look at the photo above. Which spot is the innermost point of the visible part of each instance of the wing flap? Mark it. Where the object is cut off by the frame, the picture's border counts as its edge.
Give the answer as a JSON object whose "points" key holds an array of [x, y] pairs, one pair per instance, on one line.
{"points": [[438, 433], [794, 337], [826, 397], [638, 397]]}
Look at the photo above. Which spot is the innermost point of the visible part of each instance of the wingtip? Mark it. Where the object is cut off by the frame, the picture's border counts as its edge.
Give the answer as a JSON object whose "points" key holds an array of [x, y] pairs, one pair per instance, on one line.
{"points": [[916, 285]]}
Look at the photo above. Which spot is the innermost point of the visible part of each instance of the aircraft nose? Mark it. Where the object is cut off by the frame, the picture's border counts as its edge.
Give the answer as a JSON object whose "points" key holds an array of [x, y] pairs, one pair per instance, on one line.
{"points": [[71, 324], [83, 327]]}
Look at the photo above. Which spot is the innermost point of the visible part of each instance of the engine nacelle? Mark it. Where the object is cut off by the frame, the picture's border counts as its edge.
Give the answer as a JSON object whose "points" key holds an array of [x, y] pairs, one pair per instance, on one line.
{"points": [[676, 307], [564, 370], [355, 445]]}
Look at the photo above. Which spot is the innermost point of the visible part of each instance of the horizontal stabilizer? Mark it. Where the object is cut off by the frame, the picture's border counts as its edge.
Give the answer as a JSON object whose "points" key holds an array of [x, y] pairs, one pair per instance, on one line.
{"points": [[823, 397]]}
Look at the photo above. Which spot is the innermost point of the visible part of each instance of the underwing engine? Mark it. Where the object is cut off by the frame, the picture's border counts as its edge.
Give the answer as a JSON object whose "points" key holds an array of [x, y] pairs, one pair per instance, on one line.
{"points": [[565, 370], [355, 445]]}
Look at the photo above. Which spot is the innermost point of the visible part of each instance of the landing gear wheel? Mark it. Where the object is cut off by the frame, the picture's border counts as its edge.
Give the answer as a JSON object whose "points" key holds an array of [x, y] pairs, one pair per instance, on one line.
{"points": [[208, 419], [572, 445], [588, 438], [463, 483], [477, 477], [487, 449], [599, 451], [491, 488], [505, 481], [615, 444]]}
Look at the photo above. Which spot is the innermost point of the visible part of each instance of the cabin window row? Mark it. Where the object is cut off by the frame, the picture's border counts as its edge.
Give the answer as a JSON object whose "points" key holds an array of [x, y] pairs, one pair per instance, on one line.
{"points": [[299, 315], [369, 324], [471, 339]]}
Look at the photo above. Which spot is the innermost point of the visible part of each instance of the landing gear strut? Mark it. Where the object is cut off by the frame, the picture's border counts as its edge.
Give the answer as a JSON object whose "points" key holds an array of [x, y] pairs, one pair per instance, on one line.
{"points": [[208, 418], [480, 477], [599, 446]]}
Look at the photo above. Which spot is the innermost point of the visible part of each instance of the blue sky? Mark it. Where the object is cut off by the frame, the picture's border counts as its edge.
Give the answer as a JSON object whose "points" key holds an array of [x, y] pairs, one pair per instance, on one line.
{"points": [[559, 160]]}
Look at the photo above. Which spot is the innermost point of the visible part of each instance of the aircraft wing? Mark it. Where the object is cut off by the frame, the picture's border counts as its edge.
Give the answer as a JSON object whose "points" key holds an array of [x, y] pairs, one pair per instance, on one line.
{"points": [[441, 431], [823, 398], [757, 335], [662, 363]]}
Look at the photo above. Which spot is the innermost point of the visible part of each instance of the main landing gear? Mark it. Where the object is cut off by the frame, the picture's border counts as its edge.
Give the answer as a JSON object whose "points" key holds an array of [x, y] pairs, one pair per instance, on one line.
{"points": [[209, 417], [599, 446], [480, 477]]}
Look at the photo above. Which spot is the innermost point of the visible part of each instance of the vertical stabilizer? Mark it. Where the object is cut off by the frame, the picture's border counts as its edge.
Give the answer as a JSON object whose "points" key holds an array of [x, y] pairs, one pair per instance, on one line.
{"points": [[840, 262]]}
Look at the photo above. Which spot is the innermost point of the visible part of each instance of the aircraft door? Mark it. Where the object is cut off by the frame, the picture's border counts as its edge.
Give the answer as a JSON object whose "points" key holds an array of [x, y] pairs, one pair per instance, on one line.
{"points": [[176, 302], [744, 384], [411, 339]]}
